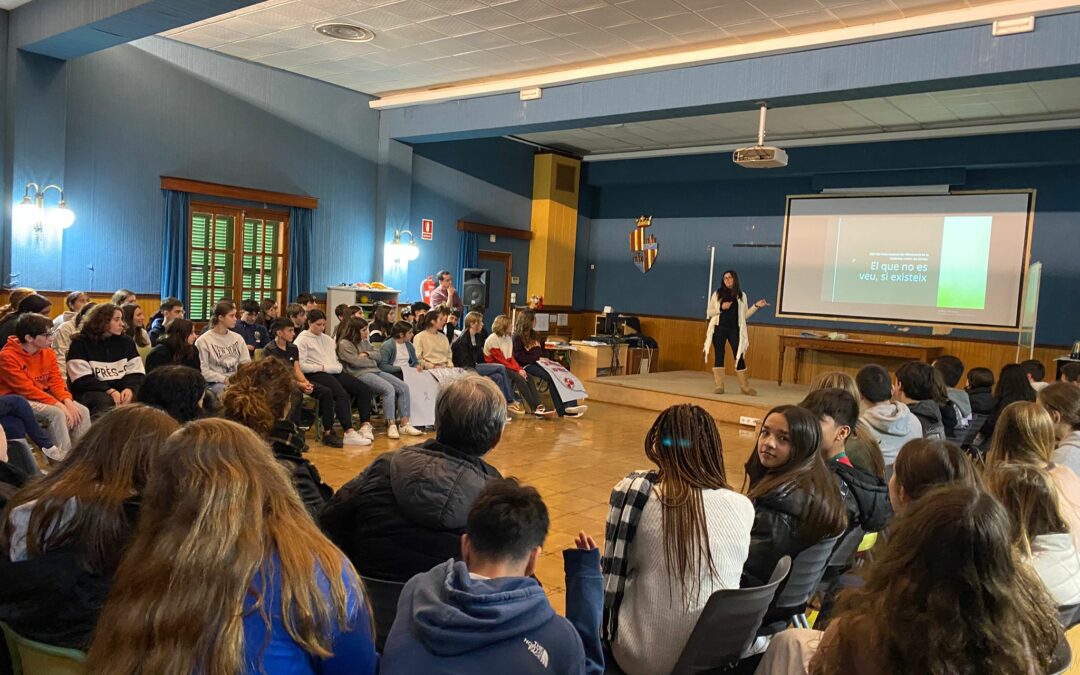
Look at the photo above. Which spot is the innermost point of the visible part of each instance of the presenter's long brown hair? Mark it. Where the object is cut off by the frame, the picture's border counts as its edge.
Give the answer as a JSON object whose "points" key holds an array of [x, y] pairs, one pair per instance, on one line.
{"points": [[684, 443], [217, 509]]}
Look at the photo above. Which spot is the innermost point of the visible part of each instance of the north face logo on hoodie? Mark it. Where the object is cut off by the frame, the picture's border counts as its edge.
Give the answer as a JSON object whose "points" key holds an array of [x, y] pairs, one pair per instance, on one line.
{"points": [[537, 650]]}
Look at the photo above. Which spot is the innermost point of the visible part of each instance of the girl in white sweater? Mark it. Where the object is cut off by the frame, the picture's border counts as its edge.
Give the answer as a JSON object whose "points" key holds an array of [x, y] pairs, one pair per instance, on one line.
{"points": [[319, 363], [221, 351], [691, 539]]}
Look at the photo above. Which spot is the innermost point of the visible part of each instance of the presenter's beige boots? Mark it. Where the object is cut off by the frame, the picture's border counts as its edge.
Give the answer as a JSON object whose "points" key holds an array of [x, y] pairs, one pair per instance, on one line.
{"points": [[718, 380], [744, 383]]}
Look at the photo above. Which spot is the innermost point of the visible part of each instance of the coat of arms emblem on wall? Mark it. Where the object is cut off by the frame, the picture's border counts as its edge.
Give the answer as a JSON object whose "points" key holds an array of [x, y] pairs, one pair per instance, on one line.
{"points": [[644, 248]]}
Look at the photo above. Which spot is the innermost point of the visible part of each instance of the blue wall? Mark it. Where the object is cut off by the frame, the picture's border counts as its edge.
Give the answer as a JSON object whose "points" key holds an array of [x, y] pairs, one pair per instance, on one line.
{"points": [[156, 107], [704, 200], [486, 181]]}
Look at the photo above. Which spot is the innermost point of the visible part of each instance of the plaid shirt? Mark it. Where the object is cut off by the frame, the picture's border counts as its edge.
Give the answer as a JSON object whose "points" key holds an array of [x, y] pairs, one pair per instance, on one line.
{"points": [[627, 501]]}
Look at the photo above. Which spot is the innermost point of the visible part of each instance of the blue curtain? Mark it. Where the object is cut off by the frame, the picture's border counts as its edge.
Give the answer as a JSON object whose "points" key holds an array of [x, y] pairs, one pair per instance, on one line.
{"points": [[468, 254], [175, 239], [300, 228]]}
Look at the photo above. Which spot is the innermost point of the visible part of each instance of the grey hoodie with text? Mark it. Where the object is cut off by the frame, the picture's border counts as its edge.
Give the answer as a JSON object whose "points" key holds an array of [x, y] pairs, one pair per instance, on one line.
{"points": [[894, 425]]}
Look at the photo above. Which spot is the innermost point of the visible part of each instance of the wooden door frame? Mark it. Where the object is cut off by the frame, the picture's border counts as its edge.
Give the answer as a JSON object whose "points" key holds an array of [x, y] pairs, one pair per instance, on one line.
{"points": [[508, 260]]}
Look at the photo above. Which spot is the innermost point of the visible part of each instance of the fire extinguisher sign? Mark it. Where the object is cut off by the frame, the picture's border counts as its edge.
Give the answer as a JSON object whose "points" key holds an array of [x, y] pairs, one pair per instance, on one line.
{"points": [[427, 229]]}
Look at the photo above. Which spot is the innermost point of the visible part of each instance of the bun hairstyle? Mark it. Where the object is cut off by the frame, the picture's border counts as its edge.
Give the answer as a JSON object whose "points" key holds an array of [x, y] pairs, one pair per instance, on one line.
{"points": [[258, 395], [221, 309]]}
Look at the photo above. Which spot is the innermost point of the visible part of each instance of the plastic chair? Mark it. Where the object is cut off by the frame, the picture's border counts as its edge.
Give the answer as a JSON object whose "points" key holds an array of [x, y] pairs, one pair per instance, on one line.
{"points": [[806, 573], [384, 599], [971, 432], [143, 351], [1062, 660], [1068, 615], [38, 658], [258, 354], [317, 424], [728, 624]]}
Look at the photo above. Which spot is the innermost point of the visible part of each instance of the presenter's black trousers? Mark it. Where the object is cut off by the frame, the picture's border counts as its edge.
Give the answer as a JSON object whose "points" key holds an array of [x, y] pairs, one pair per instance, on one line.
{"points": [[721, 335]]}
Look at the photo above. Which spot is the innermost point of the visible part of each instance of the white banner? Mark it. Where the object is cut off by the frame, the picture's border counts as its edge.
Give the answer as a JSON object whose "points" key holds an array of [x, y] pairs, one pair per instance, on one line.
{"points": [[424, 389], [567, 384]]}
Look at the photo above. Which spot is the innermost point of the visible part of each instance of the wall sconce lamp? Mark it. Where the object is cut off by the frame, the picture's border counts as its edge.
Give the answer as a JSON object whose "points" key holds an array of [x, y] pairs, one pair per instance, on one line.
{"points": [[31, 212], [400, 252]]}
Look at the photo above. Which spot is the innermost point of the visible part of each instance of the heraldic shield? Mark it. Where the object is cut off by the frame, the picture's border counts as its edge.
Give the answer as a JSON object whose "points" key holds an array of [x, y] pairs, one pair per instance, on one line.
{"points": [[644, 248]]}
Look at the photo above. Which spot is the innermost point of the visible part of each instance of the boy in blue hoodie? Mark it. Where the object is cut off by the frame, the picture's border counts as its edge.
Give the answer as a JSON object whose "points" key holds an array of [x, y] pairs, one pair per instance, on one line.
{"points": [[486, 613], [255, 334]]}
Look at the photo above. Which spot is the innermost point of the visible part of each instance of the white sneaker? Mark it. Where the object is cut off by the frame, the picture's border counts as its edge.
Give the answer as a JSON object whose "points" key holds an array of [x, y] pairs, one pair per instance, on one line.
{"points": [[367, 432], [541, 411], [54, 453], [410, 430], [575, 410], [353, 437], [392, 432]]}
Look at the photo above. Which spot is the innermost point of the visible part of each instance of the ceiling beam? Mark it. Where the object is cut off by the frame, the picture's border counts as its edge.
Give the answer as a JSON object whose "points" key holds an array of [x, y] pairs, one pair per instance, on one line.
{"points": [[948, 59]]}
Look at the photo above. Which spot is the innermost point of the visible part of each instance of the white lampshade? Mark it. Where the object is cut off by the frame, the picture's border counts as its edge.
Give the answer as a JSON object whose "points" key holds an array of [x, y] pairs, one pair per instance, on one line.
{"points": [[60, 217], [410, 252], [25, 214]]}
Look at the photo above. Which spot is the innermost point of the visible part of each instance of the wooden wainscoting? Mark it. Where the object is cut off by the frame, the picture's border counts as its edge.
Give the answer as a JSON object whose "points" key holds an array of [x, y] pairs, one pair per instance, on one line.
{"points": [[681, 342]]}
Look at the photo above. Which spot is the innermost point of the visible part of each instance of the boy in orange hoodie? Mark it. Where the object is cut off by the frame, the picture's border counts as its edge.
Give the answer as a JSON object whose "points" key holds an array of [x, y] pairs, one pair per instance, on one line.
{"points": [[28, 368]]}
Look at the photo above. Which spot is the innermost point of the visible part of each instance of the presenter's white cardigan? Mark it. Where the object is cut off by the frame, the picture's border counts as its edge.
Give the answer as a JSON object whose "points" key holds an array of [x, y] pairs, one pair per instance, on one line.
{"points": [[654, 620], [713, 315]]}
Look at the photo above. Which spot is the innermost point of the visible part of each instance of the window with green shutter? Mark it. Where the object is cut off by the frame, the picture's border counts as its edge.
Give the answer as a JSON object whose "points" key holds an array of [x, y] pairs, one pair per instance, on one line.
{"points": [[235, 253]]}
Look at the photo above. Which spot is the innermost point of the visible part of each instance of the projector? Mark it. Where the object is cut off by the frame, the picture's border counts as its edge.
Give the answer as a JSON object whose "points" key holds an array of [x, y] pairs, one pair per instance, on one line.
{"points": [[760, 157]]}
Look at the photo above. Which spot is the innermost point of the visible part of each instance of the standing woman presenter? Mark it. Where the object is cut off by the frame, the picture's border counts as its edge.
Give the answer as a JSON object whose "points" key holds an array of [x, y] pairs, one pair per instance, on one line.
{"points": [[728, 312]]}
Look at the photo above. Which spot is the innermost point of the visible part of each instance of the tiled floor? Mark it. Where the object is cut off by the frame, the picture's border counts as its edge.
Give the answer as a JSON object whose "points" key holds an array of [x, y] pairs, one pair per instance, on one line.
{"points": [[572, 462]]}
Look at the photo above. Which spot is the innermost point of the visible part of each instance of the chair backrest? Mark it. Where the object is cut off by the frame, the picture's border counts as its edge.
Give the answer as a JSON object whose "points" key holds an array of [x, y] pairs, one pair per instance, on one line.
{"points": [[806, 573], [972, 430], [1062, 659], [1068, 615], [36, 658], [848, 546], [258, 354], [143, 351], [728, 624], [384, 598]]}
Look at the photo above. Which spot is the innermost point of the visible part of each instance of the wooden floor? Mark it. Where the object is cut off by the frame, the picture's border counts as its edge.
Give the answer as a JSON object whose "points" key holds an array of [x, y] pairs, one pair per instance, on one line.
{"points": [[574, 463]]}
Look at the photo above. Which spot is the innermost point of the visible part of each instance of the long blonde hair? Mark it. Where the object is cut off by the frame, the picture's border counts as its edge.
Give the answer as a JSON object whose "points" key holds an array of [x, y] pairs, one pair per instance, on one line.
{"points": [[862, 431], [218, 511], [1027, 492], [1024, 433]]}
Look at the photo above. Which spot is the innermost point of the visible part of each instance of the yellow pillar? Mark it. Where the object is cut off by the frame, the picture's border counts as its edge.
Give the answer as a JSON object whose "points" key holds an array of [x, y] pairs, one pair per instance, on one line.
{"points": [[554, 228]]}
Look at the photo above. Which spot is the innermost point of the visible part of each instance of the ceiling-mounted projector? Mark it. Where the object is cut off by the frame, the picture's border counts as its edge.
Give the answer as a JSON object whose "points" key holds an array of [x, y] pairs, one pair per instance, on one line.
{"points": [[760, 156]]}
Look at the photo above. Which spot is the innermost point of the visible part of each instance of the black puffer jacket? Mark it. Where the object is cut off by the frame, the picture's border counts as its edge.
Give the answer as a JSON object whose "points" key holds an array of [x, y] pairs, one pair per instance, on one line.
{"points": [[778, 531], [865, 495], [287, 442], [982, 400], [929, 414], [406, 512]]}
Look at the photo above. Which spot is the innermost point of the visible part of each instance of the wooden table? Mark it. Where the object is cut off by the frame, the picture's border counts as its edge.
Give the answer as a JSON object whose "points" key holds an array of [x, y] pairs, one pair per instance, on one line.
{"points": [[592, 361], [894, 350]]}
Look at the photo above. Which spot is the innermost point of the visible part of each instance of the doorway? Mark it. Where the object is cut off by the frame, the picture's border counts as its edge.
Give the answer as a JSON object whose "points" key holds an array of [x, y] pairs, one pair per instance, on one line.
{"points": [[500, 263]]}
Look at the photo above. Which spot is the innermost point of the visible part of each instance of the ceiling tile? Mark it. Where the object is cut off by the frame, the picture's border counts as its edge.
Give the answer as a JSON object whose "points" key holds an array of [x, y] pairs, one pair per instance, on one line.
{"points": [[489, 18], [210, 36], [337, 50], [606, 17], [917, 7], [297, 38], [523, 33], [455, 6], [756, 30], [732, 13], [806, 22], [378, 19], [683, 24], [529, 10], [776, 8], [452, 26], [415, 33], [634, 32], [652, 9], [570, 6], [861, 12], [563, 25], [486, 40], [414, 10], [555, 47], [242, 24]]}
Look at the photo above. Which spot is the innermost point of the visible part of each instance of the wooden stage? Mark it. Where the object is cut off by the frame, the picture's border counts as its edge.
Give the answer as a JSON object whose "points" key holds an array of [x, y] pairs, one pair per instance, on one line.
{"points": [[657, 391]]}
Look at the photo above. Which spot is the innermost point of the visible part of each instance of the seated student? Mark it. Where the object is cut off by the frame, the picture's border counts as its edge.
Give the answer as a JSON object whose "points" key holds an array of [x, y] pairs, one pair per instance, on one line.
{"points": [[934, 601], [1012, 386], [124, 297], [361, 360], [381, 324], [319, 362], [528, 349], [31, 304], [281, 347], [914, 387], [487, 612], [176, 347], [103, 364], [690, 536], [296, 313], [1070, 373], [259, 398], [980, 385], [28, 368], [170, 310], [924, 464], [430, 343], [951, 370], [499, 348], [797, 500], [12, 478], [15, 296], [406, 512], [177, 390], [1062, 401], [1039, 530], [861, 445], [74, 301], [61, 339], [135, 325], [1025, 435], [453, 317], [339, 312], [18, 422], [248, 327], [273, 595], [1036, 372], [417, 310], [468, 352], [865, 494], [891, 421], [307, 301], [221, 351], [397, 351], [64, 533], [268, 313]]}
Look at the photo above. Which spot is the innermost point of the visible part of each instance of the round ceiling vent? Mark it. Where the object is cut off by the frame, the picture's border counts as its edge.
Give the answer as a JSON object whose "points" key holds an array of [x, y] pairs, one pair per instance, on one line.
{"points": [[345, 31]]}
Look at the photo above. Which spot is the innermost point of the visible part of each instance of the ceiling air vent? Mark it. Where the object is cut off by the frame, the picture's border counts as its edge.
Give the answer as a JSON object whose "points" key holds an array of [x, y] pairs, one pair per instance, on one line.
{"points": [[345, 31]]}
